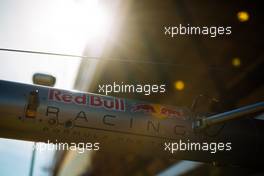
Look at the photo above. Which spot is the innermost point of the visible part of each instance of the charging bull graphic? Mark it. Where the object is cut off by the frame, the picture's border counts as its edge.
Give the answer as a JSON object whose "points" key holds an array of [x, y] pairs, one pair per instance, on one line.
{"points": [[159, 110]]}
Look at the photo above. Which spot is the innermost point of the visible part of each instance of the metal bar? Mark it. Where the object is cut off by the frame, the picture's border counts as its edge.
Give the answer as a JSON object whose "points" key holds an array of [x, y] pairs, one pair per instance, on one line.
{"points": [[119, 125], [229, 115]]}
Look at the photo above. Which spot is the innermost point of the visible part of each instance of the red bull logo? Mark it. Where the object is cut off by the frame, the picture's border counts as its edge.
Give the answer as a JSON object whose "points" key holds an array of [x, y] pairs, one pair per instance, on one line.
{"points": [[158, 110], [95, 101], [143, 108], [171, 112]]}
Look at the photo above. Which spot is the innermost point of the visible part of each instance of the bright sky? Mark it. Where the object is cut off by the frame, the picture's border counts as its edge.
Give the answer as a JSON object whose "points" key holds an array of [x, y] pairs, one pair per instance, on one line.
{"points": [[21, 29], [50, 26], [38, 25]]}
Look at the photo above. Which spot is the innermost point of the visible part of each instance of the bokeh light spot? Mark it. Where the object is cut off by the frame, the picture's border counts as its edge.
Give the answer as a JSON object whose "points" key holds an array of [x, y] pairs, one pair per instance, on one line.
{"points": [[243, 16], [179, 85], [236, 62]]}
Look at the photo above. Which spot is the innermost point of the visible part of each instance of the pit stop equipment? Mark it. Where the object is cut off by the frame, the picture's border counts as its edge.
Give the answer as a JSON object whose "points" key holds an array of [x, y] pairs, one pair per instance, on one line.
{"points": [[41, 113]]}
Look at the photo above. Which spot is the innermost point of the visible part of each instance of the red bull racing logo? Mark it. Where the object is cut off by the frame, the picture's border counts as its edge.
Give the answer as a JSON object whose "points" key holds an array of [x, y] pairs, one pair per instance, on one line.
{"points": [[96, 101]]}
